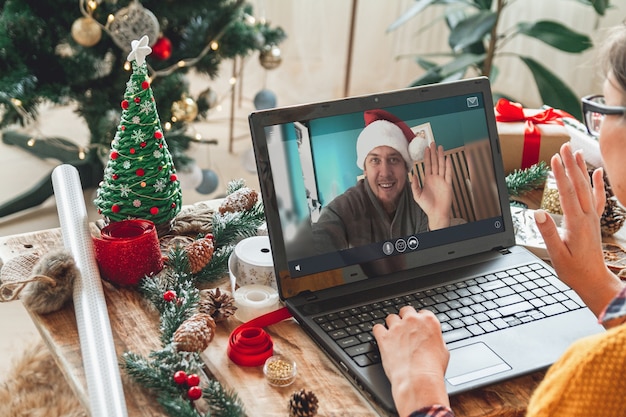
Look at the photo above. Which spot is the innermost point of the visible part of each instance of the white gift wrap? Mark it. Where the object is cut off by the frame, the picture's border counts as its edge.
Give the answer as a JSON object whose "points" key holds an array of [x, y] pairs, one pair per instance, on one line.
{"points": [[104, 385]]}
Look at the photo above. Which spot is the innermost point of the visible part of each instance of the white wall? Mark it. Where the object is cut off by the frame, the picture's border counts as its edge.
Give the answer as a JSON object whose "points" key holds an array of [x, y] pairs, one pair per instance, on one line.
{"points": [[315, 51]]}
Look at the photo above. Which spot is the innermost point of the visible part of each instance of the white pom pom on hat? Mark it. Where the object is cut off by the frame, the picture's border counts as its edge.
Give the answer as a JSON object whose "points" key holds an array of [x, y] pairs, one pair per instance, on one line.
{"points": [[383, 129]]}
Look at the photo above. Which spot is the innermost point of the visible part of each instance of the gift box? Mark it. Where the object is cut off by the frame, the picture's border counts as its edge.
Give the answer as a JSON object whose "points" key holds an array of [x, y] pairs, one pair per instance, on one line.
{"points": [[528, 136]]}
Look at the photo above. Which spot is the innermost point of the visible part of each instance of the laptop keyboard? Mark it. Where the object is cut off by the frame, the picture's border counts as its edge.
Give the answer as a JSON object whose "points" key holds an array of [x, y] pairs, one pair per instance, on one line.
{"points": [[467, 308]]}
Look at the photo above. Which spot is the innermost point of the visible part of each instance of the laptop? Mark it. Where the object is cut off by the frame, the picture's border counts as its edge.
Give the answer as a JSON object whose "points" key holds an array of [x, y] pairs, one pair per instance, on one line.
{"points": [[503, 311]]}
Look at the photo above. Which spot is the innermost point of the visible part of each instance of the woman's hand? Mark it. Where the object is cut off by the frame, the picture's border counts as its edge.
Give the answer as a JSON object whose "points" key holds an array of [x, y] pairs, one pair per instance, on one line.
{"points": [[577, 255], [414, 357], [435, 197]]}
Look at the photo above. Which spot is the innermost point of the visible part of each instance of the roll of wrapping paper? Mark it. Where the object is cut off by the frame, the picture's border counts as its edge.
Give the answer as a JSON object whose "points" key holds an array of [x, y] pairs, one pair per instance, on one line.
{"points": [[104, 385], [127, 251]]}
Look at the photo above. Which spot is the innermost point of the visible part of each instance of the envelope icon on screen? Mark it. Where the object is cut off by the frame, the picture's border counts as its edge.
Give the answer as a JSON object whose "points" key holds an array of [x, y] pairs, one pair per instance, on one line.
{"points": [[472, 101]]}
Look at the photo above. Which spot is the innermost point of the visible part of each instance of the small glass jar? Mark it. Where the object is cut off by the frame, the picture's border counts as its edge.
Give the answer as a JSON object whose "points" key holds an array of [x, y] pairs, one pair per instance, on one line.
{"points": [[279, 371], [550, 201]]}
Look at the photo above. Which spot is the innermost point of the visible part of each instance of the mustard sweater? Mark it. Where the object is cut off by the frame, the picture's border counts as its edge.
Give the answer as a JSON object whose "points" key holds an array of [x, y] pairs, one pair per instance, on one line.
{"points": [[588, 380]]}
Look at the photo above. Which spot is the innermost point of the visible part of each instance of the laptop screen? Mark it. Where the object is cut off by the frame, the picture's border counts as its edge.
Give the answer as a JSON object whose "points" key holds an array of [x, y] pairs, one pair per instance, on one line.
{"points": [[323, 215]]}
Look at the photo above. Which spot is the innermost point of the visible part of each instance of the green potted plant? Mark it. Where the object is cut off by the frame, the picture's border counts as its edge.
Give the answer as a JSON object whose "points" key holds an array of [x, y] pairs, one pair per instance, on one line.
{"points": [[476, 41]]}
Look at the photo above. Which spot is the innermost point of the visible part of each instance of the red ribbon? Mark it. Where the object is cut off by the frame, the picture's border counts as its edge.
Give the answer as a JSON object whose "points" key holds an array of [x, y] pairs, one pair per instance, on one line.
{"points": [[507, 111], [127, 251], [249, 344]]}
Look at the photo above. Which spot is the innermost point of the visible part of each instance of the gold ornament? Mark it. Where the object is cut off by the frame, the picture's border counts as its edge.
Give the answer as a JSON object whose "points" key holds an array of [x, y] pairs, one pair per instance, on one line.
{"points": [[86, 31], [184, 110], [270, 57]]}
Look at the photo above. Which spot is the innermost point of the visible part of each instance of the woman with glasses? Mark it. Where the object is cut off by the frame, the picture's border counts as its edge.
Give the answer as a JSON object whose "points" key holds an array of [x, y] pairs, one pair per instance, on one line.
{"points": [[590, 378]]}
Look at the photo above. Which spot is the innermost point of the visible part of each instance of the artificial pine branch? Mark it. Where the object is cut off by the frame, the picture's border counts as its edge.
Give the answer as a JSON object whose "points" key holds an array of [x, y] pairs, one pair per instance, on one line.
{"points": [[235, 185], [222, 402], [218, 265], [521, 181], [176, 312], [228, 228]]}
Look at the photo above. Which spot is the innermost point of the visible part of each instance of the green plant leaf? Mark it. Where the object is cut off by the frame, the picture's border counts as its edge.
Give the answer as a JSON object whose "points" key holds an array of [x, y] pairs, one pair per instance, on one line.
{"points": [[556, 35], [600, 6], [431, 76], [554, 92], [472, 30], [413, 11], [483, 4]]}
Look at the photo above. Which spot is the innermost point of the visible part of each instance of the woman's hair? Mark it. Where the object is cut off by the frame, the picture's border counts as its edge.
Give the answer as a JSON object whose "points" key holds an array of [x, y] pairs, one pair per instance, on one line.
{"points": [[613, 55]]}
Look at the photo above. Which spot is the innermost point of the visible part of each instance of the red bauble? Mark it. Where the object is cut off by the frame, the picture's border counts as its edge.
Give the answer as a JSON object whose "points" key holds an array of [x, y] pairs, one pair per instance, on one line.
{"points": [[194, 393], [193, 380], [114, 155], [169, 295], [145, 85], [180, 377], [124, 104], [154, 211], [162, 49], [115, 208], [140, 172], [137, 99], [173, 177], [158, 134]]}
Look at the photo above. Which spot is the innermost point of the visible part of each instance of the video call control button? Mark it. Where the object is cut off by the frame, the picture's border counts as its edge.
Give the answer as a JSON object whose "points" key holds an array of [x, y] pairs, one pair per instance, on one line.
{"points": [[400, 245], [413, 243], [388, 248]]}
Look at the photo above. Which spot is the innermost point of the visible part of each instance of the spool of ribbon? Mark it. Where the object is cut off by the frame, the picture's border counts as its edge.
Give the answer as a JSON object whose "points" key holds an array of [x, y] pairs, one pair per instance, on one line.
{"points": [[508, 111], [249, 344], [252, 263], [254, 300], [127, 251]]}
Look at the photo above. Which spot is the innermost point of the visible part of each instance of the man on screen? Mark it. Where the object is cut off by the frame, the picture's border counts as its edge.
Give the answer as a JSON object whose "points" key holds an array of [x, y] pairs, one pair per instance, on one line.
{"points": [[389, 201]]}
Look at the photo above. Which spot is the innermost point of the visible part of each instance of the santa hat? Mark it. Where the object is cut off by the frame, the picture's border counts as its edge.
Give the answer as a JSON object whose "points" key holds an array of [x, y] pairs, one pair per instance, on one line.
{"points": [[383, 129]]}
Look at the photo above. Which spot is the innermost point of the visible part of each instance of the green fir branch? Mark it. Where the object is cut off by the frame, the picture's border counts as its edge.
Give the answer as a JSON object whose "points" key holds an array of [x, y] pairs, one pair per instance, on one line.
{"points": [[521, 181], [235, 185], [222, 402], [228, 228], [218, 266]]}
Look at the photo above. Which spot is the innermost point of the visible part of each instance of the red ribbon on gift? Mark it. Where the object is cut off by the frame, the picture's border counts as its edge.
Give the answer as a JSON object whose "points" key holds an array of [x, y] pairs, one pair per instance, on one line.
{"points": [[508, 111], [249, 344]]}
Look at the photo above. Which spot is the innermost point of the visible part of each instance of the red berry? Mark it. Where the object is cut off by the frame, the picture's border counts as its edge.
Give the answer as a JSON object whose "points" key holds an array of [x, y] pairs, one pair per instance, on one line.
{"points": [[173, 177], [115, 208], [194, 393], [140, 172], [209, 236], [143, 144], [180, 377], [137, 99], [132, 151], [193, 380], [169, 295]]}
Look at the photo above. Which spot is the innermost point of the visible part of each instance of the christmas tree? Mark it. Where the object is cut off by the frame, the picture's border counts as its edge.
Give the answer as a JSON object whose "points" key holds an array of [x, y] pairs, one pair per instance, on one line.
{"points": [[140, 178], [74, 52]]}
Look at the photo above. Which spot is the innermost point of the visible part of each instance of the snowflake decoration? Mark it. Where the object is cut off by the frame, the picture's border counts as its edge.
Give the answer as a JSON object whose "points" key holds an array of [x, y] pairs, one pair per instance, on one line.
{"points": [[136, 120], [159, 185], [157, 154], [145, 107], [124, 190], [131, 88], [126, 164], [138, 136], [137, 203]]}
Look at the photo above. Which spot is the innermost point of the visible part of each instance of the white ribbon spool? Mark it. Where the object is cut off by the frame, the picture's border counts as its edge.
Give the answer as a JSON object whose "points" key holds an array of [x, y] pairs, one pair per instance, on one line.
{"points": [[252, 262], [255, 300]]}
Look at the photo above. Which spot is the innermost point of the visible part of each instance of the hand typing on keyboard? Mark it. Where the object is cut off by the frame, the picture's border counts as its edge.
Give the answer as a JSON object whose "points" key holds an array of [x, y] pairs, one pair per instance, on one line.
{"points": [[416, 375]]}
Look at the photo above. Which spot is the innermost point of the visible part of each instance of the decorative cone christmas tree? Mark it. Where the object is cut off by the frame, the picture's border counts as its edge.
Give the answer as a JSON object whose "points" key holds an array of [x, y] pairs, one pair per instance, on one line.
{"points": [[140, 178]]}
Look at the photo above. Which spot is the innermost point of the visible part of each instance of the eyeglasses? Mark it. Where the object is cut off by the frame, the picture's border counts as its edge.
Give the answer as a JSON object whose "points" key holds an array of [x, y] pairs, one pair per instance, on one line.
{"points": [[594, 111]]}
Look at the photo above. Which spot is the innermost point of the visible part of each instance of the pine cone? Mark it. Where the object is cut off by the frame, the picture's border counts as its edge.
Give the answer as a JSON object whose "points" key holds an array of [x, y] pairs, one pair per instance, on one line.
{"points": [[613, 215], [612, 218], [195, 333], [199, 253], [241, 200], [303, 404], [216, 304]]}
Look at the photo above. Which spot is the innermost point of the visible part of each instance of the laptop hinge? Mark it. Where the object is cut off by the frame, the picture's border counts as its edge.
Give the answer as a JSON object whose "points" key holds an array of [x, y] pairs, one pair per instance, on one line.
{"points": [[503, 251]]}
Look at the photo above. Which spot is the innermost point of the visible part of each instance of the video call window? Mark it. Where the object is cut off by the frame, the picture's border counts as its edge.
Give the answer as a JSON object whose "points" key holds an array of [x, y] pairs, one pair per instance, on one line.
{"points": [[314, 161]]}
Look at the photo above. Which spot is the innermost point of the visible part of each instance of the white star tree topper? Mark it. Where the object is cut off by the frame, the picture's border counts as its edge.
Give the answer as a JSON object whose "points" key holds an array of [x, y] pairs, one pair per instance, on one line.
{"points": [[139, 50]]}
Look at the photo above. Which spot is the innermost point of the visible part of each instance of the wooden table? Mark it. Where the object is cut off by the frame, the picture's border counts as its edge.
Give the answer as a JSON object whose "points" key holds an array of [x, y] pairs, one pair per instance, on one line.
{"points": [[135, 328]]}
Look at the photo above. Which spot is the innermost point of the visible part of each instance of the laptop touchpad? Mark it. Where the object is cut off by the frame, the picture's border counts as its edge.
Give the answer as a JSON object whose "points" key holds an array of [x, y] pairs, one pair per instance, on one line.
{"points": [[472, 362]]}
